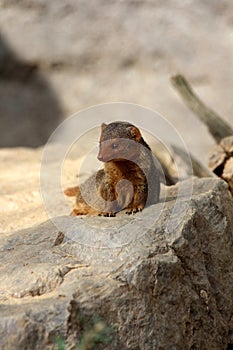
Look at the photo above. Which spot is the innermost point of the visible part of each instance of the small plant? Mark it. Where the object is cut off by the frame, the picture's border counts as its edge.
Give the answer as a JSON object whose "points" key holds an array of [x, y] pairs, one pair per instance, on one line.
{"points": [[96, 333], [60, 343], [99, 333]]}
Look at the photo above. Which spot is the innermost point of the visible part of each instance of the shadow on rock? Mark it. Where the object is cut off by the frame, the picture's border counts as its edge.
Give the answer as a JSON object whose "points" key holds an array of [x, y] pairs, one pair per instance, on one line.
{"points": [[29, 108]]}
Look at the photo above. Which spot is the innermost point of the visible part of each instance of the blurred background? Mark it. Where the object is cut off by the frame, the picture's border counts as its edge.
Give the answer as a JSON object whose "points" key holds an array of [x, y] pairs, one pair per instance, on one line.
{"points": [[57, 57]]}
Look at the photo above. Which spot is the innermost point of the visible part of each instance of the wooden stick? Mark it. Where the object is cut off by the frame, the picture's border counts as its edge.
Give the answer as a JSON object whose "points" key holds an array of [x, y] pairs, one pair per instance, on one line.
{"points": [[198, 169], [216, 125]]}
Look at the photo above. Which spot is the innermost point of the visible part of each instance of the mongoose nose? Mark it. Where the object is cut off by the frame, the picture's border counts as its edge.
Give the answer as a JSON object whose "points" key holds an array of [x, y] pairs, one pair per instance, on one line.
{"points": [[100, 157]]}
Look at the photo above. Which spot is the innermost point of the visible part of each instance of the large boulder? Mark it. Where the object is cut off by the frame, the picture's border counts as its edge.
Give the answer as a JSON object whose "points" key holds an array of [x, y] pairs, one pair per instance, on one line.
{"points": [[169, 287]]}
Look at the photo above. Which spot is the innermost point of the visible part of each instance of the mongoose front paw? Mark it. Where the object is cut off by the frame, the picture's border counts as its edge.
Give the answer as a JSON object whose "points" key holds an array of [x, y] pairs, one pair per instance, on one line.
{"points": [[109, 215], [133, 210]]}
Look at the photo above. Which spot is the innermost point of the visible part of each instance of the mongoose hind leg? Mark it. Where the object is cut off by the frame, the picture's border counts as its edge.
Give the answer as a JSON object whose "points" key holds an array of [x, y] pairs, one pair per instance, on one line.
{"points": [[83, 209]]}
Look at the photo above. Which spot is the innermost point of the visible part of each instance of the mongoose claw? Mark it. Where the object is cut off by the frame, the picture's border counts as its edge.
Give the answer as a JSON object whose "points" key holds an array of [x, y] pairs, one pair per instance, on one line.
{"points": [[133, 211], [108, 215]]}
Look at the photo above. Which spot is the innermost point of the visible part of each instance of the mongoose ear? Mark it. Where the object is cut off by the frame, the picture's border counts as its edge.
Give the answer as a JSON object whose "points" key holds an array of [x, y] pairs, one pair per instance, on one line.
{"points": [[134, 133], [103, 126]]}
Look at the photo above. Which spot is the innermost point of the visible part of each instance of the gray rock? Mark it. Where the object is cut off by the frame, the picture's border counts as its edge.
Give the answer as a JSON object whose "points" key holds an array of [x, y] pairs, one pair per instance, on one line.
{"points": [[166, 289]]}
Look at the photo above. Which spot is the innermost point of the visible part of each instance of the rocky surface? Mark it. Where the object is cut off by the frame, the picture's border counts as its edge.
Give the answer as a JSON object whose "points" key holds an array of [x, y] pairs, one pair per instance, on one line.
{"points": [[168, 289], [152, 281]]}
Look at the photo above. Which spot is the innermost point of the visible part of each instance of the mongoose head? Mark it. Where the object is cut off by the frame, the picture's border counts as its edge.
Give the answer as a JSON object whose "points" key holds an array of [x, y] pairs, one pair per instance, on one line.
{"points": [[116, 142]]}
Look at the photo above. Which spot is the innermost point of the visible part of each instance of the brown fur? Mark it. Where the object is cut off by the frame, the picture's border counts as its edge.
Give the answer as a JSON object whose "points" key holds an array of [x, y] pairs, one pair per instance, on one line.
{"points": [[123, 183]]}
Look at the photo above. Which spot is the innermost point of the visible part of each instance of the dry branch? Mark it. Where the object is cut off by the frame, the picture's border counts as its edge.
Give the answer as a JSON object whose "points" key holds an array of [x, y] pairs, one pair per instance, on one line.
{"points": [[216, 125]]}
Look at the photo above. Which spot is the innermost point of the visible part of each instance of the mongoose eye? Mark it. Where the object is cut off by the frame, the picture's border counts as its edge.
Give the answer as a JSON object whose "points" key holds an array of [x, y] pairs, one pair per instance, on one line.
{"points": [[114, 145]]}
